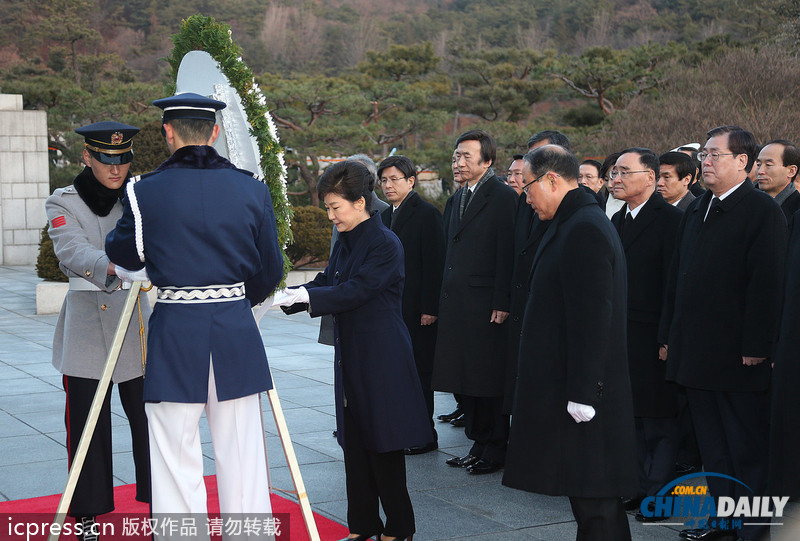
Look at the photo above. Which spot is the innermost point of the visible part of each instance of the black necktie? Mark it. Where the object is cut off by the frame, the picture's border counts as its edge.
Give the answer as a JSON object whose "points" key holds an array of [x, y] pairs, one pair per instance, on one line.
{"points": [[466, 201], [626, 227], [714, 205], [395, 212]]}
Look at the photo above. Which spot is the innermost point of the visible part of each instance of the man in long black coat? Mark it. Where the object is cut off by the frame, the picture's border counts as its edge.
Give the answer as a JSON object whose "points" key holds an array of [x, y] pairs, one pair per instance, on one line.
{"points": [[474, 303], [727, 285], [647, 225], [572, 431], [418, 225]]}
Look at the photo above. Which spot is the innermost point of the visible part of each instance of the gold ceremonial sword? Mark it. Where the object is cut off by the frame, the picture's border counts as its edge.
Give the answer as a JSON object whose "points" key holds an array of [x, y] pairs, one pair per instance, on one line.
{"points": [[94, 412]]}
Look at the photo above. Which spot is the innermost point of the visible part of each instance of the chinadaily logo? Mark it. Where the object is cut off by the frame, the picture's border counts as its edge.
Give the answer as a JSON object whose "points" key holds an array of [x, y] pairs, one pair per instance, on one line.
{"points": [[690, 502]]}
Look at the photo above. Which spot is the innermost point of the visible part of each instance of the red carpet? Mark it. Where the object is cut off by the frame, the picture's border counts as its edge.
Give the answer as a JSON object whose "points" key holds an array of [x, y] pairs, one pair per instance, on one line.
{"points": [[28, 520]]}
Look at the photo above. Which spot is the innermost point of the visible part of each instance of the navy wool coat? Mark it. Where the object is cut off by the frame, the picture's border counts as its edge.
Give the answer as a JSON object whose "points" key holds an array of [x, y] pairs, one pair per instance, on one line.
{"points": [[375, 375], [204, 223], [573, 348]]}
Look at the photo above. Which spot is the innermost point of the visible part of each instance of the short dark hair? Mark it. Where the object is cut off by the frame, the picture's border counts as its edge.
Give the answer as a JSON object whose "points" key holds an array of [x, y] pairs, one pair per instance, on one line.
{"points": [[790, 156], [553, 137], [348, 179], [405, 165], [608, 163], [647, 157], [488, 146], [192, 130], [684, 165], [597, 165], [739, 142], [553, 158]]}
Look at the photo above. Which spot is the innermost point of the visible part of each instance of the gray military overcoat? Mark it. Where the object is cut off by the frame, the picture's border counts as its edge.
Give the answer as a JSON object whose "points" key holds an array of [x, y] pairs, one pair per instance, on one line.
{"points": [[88, 319]]}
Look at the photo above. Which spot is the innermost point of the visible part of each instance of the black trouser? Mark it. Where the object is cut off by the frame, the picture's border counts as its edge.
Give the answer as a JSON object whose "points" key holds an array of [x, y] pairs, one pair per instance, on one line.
{"points": [[487, 426], [600, 519], [427, 393], [657, 446], [94, 493], [733, 433], [372, 477]]}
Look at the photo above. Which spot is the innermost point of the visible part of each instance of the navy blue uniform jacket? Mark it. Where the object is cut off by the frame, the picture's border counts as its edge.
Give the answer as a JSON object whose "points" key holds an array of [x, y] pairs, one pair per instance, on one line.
{"points": [[204, 223], [374, 369]]}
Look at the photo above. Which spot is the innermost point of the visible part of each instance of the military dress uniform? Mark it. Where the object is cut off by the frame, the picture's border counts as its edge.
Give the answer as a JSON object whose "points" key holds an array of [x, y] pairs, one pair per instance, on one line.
{"points": [[206, 233], [79, 218]]}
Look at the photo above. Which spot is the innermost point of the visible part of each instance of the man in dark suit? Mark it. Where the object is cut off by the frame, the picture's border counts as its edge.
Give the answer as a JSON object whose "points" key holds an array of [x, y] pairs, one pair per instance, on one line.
{"points": [[474, 303], [676, 173], [777, 167], [647, 225], [576, 409], [727, 281], [418, 225]]}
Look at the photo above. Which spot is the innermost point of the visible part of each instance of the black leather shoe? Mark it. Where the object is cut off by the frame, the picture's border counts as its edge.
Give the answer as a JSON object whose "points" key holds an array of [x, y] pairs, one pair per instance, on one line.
{"points": [[450, 416], [704, 534], [359, 538], [422, 449], [684, 469], [632, 504], [484, 465], [652, 507], [459, 421], [462, 462]]}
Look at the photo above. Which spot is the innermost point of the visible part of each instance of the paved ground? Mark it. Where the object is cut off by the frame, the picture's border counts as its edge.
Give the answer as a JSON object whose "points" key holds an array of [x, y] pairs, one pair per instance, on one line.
{"points": [[449, 503]]}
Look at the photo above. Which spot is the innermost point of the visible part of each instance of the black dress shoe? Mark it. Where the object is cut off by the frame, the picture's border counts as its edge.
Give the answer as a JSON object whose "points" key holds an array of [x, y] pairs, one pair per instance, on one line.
{"points": [[704, 534], [684, 469], [359, 538], [484, 465], [422, 449], [652, 518], [462, 462], [450, 416], [632, 504], [459, 421]]}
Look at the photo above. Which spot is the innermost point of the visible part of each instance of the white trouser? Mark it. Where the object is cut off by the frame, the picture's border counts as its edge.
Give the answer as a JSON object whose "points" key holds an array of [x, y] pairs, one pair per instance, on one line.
{"points": [[237, 435]]}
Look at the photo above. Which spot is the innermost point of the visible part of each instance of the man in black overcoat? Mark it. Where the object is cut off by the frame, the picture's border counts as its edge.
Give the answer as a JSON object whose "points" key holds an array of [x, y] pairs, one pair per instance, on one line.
{"points": [[784, 443], [727, 284], [470, 355], [647, 225], [572, 431], [777, 166], [418, 225]]}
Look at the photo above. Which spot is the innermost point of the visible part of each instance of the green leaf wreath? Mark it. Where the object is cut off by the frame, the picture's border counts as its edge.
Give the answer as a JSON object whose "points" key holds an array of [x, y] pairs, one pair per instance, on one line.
{"points": [[200, 33]]}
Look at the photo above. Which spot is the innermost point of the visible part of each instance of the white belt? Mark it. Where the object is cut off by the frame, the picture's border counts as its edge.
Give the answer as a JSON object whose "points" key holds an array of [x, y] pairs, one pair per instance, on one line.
{"points": [[79, 284], [203, 294]]}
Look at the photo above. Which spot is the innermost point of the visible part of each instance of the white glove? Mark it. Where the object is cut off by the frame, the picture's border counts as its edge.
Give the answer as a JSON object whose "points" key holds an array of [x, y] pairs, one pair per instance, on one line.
{"points": [[129, 276], [582, 413], [290, 296]]}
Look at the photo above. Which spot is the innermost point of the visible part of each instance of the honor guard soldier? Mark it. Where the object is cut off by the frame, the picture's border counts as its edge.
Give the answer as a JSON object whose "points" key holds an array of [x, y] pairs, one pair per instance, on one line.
{"points": [[206, 234], [80, 216]]}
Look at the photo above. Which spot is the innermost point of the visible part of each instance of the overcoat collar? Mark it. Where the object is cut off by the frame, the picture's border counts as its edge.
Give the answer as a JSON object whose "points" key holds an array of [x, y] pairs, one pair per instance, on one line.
{"points": [[406, 210], [478, 201], [645, 217], [574, 200], [350, 239], [195, 157], [725, 205], [97, 197]]}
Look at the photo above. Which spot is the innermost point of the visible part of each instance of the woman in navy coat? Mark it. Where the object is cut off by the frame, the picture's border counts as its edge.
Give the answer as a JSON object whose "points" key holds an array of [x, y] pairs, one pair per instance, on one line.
{"points": [[380, 409]]}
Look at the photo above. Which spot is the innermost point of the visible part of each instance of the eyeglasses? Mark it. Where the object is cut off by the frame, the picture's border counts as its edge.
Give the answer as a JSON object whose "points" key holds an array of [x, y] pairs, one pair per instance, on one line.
{"points": [[526, 186], [713, 155], [393, 180], [625, 174]]}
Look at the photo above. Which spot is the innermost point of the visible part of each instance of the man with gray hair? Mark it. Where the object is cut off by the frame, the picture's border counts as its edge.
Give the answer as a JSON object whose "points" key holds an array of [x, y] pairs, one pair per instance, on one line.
{"points": [[573, 370]]}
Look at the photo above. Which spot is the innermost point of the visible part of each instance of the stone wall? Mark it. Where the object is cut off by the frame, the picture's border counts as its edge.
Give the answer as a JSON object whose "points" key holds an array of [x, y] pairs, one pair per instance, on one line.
{"points": [[24, 180]]}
